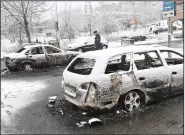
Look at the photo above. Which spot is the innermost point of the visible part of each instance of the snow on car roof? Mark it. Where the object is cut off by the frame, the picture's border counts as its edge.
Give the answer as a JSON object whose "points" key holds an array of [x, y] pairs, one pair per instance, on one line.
{"points": [[36, 45], [119, 50]]}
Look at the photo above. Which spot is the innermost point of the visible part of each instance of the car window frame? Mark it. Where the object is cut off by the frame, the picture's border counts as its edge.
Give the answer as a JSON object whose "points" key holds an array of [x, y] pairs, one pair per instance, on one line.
{"points": [[54, 48], [158, 54], [36, 47], [166, 64], [120, 72]]}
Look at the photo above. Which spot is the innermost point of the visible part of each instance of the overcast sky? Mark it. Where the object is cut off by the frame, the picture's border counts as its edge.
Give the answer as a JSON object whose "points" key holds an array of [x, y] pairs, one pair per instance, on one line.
{"points": [[74, 4]]}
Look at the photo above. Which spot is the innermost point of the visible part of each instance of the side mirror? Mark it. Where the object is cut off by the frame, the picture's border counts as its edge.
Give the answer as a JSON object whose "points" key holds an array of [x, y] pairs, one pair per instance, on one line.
{"points": [[26, 53], [85, 42]]}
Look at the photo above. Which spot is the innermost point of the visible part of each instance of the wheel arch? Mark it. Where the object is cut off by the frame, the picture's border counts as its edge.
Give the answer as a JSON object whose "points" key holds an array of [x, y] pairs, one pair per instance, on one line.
{"points": [[30, 62], [139, 91]]}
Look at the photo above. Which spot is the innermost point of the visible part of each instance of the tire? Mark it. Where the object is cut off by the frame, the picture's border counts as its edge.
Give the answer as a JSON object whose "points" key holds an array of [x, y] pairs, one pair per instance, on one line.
{"points": [[104, 47], [27, 67], [80, 50], [131, 101]]}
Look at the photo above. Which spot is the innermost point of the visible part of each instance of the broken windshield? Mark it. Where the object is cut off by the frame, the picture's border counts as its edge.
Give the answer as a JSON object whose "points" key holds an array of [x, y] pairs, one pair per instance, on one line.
{"points": [[20, 50], [82, 66]]}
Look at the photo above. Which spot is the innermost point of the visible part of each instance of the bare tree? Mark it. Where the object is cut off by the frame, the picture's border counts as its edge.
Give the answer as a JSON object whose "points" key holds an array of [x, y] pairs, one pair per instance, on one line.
{"points": [[26, 13], [67, 21]]}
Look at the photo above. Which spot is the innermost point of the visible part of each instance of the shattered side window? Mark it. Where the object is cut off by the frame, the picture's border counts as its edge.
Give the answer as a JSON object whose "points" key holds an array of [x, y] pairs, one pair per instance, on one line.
{"points": [[146, 60], [118, 63], [51, 50], [82, 66], [37, 50], [172, 58]]}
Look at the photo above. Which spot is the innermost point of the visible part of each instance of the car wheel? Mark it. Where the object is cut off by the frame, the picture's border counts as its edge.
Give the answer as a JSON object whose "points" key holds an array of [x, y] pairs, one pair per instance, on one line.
{"points": [[80, 50], [104, 47], [27, 67], [130, 101]]}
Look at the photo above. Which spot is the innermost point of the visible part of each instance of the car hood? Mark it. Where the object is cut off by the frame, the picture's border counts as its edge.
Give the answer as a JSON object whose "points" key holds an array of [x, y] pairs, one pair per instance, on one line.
{"points": [[75, 45], [14, 55]]}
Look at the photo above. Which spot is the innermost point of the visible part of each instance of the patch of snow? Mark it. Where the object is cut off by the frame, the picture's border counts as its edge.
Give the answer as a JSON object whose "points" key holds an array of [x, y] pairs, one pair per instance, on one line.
{"points": [[19, 95]]}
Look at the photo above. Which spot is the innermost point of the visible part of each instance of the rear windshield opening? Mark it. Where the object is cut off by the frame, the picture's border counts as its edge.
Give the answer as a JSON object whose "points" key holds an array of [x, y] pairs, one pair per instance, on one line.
{"points": [[82, 66]]}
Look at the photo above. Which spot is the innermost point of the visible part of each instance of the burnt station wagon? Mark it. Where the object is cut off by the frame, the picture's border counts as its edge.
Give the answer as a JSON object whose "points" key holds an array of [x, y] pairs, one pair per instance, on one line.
{"points": [[37, 56], [125, 76]]}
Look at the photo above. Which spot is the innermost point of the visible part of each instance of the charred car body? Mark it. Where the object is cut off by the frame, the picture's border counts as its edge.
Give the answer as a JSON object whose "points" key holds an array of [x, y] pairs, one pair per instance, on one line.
{"points": [[85, 44], [37, 56], [125, 76]]}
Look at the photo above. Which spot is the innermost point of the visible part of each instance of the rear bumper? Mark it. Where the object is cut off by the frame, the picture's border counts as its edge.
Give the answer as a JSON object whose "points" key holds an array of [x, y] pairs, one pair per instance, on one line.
{"points": [[73, 101]]}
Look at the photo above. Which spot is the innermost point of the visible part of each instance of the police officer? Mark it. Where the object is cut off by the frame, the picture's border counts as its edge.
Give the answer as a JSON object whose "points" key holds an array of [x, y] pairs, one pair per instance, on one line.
{"points": [[97, 40]]}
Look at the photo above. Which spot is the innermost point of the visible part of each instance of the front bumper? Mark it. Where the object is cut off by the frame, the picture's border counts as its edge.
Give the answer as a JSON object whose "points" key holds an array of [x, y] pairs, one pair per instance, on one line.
{"points": [[11, 65]]}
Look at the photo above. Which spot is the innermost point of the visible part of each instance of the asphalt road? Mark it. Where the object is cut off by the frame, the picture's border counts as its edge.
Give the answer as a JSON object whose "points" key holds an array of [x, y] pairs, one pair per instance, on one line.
{"points": [[24, 99]]}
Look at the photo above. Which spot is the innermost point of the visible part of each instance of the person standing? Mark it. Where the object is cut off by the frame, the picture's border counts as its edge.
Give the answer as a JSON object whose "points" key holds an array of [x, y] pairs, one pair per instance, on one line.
{"points": [[97, 40]]}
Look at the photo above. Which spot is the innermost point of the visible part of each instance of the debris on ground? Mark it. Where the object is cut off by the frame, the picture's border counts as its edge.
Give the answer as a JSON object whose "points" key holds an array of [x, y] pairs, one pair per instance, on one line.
{"points": [[61, 112], [50, 105], [94, 121], [84, 113], [81, 124], [121, 112], [53, 113], [117, 112], [52, 99], [5, 72]]}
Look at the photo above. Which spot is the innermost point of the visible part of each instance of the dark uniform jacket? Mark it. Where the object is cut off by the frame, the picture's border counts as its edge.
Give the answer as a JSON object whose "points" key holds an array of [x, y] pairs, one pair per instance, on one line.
{"points": [[98, 41]]}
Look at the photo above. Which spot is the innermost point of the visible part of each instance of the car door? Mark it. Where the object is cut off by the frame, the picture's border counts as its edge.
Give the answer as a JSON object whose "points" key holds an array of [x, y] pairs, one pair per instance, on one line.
{"points": [[118, 77], [37, 56], [151, 74], [89, 44], [55, 56], [174, 62]]}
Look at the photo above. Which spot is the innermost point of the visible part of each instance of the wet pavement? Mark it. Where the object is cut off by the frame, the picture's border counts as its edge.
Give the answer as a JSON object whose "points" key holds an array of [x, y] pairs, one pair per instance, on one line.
{"points": [[24, 109]]}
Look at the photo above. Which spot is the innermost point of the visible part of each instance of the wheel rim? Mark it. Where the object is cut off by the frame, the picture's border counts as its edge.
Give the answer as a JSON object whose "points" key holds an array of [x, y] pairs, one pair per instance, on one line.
{"points": [[28, 67], [80, 50], [132, 101], [104, 47]]}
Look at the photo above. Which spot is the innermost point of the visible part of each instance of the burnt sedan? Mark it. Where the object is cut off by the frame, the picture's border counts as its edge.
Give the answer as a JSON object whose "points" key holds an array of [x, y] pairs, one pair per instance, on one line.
{"points": [[37, 56], [125, 76]]}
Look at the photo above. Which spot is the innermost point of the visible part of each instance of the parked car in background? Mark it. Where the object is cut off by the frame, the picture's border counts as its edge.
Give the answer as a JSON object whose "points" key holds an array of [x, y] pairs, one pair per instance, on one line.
{"points": [[37, 56], [125, 77], [138, 38], [84, 44], [127, 41], [53, 43]]}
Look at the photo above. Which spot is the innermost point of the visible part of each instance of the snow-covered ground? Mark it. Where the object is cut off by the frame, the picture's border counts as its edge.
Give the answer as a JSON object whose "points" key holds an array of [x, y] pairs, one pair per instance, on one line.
{"points": [[8, 46], [13, 96]]}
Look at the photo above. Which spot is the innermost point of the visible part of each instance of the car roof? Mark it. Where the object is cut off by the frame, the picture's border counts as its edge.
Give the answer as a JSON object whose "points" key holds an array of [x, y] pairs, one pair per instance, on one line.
{"points": [[37, 45], [120, 50]]}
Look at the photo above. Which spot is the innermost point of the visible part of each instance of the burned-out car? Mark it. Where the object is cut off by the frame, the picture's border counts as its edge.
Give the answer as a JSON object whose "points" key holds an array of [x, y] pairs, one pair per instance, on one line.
{"points": [[125, 76], [37, 56], [84, 44]]}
